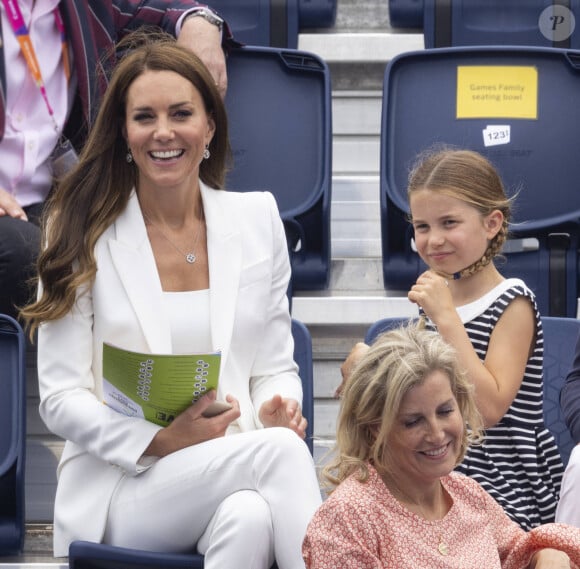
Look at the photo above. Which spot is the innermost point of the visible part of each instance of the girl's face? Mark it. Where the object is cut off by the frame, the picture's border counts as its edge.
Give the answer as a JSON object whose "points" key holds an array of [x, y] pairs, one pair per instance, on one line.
{"points": [[426, 437], [450, 234], [167, 129]]}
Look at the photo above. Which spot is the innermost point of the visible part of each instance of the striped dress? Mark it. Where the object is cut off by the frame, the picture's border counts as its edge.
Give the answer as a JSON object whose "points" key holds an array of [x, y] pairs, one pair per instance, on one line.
{"points": [[518, 462]]}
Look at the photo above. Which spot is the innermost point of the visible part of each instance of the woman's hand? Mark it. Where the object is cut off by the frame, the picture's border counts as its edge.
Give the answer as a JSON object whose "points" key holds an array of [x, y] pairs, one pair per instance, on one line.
{"points": [[280, 412], [550, 559], [355, 355], [431, 292], [191, 427]]}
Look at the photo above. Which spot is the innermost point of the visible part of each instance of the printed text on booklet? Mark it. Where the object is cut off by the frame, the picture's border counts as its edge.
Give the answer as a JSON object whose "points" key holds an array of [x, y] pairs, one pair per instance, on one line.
{"points": [[156, 387]]}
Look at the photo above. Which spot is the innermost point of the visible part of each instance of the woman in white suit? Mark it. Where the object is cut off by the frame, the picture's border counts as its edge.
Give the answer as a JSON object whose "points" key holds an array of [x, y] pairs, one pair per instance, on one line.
{"points": [[145, 251]]}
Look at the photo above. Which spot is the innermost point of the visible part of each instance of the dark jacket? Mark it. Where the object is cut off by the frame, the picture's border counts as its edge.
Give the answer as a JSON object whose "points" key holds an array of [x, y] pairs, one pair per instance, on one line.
{"points": [[570, 397]]}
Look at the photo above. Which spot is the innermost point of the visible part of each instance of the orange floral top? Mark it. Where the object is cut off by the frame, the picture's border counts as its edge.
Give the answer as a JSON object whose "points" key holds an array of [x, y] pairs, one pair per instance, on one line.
{"points": [[362, 526]]}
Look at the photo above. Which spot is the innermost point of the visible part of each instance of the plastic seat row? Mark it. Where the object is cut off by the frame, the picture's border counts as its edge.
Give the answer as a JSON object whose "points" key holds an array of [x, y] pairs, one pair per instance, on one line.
{"points": [[275, 23], [516, 105], [446, 23]]}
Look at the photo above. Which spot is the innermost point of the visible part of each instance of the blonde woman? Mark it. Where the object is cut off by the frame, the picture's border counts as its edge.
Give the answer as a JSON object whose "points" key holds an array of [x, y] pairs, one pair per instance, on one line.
{"points": [[406, 419]]}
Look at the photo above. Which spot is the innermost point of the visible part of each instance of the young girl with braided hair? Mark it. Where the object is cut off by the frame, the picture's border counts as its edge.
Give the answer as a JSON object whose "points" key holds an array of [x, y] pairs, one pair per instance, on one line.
{"points": [[460, 215]]}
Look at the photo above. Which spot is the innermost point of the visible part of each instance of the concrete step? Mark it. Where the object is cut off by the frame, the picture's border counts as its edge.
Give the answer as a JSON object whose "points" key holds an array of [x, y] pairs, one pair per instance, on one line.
{"points": [[355, 224], [357, 60], [356, 123], [363, 46]]}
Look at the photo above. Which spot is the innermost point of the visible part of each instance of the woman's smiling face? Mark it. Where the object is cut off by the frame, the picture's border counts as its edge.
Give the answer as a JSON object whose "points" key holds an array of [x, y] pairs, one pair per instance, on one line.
{"points": [[167, 129], [426, 437]]}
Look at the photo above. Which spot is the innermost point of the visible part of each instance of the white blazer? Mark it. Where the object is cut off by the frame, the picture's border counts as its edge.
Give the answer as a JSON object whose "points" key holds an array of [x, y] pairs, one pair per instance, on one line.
{"points": [[249, 273]]}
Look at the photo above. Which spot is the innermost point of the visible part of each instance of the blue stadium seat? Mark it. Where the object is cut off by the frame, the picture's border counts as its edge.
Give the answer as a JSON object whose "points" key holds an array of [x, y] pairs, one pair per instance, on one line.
{"points": [[448, 23], [406, 13], [274, 23], [12, 435], [545, 23], [279, 111], [271, 23], [316, 13], [89, 555], [384, 325], [424, 103], [560, 336]]}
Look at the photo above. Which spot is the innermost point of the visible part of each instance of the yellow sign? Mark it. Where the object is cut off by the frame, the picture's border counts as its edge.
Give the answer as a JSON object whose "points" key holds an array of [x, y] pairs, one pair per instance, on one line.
{"points": [[494, 91]]}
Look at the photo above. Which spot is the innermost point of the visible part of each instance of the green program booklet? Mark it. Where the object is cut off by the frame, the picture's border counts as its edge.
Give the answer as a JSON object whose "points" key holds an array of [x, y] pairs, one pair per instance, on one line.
{"points": [[156, 387]]}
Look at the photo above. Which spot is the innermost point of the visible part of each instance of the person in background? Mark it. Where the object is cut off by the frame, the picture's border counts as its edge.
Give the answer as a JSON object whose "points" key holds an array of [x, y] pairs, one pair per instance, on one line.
{"points": [[460, 216], [406, 418], [146, 251], [50, 96], [568, 510]]}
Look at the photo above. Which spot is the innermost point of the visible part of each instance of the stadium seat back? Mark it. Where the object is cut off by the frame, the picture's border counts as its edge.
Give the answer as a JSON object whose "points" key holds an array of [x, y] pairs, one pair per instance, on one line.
{"points": [[279, 111], [12, 435]]}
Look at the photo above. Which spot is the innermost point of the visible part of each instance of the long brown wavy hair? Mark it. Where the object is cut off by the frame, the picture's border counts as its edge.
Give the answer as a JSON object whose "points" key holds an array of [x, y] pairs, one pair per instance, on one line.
{"points": [[95, 192]]}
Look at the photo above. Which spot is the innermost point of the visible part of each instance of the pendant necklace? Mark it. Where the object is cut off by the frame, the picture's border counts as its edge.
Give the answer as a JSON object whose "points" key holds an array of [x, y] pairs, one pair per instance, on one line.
{"points": [[190, 256], [442, 546]]}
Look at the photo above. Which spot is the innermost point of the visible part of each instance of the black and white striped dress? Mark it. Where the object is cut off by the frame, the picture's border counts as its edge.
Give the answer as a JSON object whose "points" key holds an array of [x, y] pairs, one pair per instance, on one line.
{"points": [[518, 462]]}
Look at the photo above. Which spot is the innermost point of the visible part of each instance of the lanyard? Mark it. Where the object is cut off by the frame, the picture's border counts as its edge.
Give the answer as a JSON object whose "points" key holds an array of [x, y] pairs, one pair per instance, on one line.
{"points": [[23, 36]]}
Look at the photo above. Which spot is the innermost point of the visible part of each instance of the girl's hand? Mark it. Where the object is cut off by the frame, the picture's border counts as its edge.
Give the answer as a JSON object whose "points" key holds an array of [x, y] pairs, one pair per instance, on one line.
{"points": [[550, 559], [431, 292], [280, 412], [191, 427]]}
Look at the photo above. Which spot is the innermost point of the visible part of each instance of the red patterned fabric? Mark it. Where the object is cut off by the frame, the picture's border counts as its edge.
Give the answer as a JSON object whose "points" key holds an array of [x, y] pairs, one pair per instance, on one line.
{"points": [[362, 526]]}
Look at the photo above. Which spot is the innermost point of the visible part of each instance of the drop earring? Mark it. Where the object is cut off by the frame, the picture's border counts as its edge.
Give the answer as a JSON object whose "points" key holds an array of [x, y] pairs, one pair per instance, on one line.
{"points": [[206, 153], [129, 157]]}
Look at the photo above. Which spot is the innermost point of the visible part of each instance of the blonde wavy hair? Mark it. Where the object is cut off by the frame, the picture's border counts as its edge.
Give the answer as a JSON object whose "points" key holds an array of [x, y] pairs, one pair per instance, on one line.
{"points": [[395, 363], [467, 176]]}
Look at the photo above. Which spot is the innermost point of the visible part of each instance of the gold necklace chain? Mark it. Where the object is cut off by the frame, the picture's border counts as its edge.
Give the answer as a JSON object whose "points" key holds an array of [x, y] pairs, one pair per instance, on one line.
{"points": [[442, 546], [190, 257]]}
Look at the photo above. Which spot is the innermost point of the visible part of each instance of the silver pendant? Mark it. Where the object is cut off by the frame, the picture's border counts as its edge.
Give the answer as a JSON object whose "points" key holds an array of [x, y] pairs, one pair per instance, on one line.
{"points": [[190, 258]]}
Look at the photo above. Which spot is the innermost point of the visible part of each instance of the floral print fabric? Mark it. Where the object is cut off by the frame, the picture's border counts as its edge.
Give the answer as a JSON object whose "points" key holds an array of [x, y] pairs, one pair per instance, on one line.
{"points": [[362, 526]]}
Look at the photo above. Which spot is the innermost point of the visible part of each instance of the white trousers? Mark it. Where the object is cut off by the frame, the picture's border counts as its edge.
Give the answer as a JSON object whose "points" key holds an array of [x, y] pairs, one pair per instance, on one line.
{"points": [[568, 510], [243, 500]]}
